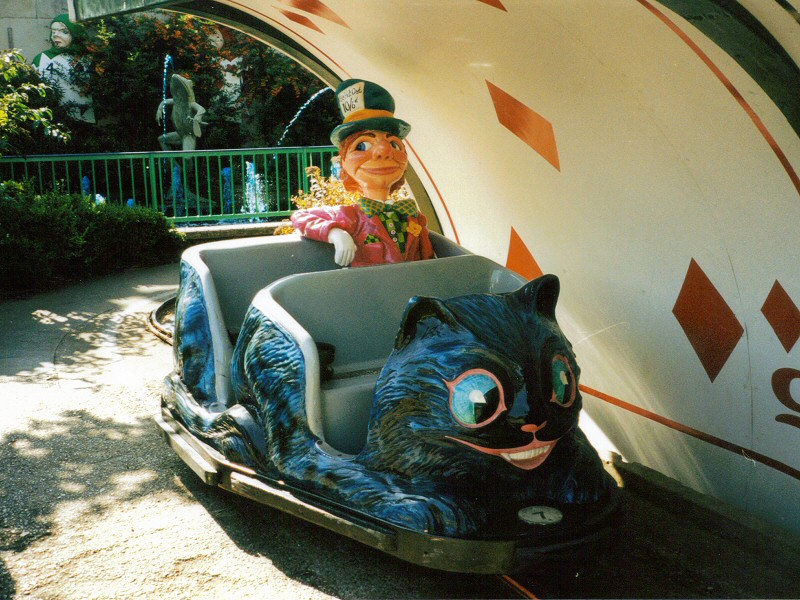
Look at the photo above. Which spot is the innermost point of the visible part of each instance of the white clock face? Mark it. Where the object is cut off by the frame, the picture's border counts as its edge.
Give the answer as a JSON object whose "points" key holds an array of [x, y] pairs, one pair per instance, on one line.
{"points": [[540, 515]]}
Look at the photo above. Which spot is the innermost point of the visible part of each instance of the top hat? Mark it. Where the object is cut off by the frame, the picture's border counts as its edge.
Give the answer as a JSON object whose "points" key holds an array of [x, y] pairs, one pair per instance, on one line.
{"points": [[366, 105]]}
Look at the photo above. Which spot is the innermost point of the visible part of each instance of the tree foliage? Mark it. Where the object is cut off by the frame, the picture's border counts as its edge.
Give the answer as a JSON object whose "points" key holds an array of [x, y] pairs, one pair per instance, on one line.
{"points": [[27, 108], [126, 80], [273, 89]]}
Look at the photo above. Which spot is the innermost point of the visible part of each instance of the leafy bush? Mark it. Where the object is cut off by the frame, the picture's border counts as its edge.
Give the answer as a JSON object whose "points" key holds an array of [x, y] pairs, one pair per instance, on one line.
{"points": [[27, 107], [51, 239]]}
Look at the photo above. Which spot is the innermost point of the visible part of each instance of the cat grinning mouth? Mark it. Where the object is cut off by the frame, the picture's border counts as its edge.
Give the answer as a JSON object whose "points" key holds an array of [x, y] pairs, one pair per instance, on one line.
{"points": [[529, 459], [526, 457]]}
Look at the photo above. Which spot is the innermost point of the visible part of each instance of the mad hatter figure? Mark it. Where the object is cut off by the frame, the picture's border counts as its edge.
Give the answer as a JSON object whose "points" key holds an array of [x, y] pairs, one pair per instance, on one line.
{"points": [[374, 160]]}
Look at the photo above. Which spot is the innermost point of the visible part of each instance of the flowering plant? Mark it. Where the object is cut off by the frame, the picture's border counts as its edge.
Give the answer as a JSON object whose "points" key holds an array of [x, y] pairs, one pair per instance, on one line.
{"points": [[323, 191]]}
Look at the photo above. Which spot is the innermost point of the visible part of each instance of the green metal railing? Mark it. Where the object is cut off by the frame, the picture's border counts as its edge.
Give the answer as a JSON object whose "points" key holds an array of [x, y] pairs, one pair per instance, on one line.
{"points": [[202, 185]]}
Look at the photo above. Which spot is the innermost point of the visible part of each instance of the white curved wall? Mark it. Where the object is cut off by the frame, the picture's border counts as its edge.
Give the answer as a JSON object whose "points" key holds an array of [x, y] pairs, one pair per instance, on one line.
{"points": [[639, 162]]}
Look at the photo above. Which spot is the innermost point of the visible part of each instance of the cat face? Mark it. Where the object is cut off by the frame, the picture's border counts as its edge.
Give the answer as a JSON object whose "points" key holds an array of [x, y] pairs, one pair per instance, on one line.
{"points": [[478, 384]]}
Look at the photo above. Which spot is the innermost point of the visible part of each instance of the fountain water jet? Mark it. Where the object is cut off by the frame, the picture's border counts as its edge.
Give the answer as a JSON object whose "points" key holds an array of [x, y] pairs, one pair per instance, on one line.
{"points": [[300, 111], [167, 63]]}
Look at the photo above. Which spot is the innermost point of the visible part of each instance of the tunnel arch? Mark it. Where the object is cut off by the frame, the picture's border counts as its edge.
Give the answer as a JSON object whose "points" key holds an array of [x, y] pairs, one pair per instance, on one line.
{"points": [[637, 156]]}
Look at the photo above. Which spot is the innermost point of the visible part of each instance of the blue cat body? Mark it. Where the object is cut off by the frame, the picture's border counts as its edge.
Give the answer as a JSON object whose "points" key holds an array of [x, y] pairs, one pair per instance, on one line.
{"points": [[474, 416]]}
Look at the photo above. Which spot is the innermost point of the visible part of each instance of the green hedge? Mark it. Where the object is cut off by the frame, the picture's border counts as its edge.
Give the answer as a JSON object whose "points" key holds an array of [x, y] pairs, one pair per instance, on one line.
{"points": [[47, 240]]}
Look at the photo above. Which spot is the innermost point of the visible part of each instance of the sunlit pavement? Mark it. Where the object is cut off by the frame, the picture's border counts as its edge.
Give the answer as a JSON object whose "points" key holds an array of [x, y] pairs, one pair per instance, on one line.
{"points": [[94, 505]]}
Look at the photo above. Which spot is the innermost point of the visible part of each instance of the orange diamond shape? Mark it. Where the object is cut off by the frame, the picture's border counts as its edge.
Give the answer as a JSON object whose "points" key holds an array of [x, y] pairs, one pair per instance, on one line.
{"points": [[707, 320], [524, 122], [783, 315], [300, 20], [520, 259]]}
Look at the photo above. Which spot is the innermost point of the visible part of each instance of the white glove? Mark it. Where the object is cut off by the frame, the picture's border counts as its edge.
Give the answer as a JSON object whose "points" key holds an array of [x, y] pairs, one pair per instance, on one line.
{"points": [[344, 246]]}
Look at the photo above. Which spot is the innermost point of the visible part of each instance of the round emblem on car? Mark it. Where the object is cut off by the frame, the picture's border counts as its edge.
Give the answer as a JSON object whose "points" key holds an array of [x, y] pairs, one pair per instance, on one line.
{"points": [[540, 515]]}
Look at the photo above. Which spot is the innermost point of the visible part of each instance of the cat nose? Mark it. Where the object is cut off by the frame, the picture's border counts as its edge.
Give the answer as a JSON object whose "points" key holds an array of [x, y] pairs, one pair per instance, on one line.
{"points": [[531, 428], [520, 410]]}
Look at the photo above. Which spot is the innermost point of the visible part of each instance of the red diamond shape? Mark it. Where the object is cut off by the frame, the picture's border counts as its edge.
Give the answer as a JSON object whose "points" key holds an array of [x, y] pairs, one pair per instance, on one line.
{"points": [[707, 320], [783, 315]]}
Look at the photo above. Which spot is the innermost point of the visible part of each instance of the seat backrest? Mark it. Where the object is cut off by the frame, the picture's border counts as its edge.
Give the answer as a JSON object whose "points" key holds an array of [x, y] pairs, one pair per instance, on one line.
{"points": [[233, 271], [359, 310], [240, 268]]}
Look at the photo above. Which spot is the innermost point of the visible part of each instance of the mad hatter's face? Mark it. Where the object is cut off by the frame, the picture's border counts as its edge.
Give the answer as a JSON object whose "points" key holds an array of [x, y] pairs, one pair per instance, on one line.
{"points": [[375, 160], [60, 35]]}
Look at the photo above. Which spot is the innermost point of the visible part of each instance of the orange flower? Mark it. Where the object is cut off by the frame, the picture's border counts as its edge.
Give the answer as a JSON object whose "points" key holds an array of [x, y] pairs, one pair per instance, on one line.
{"points": [[414, 228]]}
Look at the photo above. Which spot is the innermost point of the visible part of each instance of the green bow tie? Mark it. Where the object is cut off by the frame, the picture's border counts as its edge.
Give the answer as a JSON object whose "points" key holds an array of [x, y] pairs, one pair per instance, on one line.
{"points": [[372, 208]]}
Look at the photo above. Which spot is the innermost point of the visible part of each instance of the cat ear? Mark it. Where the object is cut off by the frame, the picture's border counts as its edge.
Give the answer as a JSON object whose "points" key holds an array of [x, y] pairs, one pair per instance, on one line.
{"points": [[541, 295], [418, 311]]}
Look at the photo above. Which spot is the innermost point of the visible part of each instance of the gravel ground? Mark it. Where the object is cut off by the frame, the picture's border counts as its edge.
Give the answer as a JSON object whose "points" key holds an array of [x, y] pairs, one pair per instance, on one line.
{"points": [[94, 505]]}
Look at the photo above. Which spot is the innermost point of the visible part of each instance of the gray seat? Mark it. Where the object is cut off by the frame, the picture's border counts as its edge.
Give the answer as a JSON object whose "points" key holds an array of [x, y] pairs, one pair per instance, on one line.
{"points": [[240, 268], [233, 271], [359, 312]]}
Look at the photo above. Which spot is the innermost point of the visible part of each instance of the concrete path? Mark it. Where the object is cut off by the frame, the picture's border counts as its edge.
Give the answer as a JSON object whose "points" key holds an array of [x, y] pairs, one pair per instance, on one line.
{"points": [[94, 505]]}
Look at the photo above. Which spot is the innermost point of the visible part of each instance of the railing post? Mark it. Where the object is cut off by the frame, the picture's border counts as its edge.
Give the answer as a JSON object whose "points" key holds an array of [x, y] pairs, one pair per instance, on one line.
{"points": [[302, 173], [151, 165]]}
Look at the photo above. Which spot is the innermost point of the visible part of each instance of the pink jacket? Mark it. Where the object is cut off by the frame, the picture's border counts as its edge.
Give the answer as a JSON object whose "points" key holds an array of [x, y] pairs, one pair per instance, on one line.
{"points": [[316, 223]]}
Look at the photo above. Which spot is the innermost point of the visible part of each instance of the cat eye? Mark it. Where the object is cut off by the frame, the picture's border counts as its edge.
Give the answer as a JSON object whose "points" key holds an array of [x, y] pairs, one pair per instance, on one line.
{"points": [[476, 398], [564, 386]]}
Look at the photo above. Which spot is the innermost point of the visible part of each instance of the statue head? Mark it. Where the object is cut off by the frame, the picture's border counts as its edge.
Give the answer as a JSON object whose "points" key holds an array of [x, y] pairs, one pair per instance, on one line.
{"points": [[64, 33], [216, 38], [373, 163], [182, 89], [370, 139]]}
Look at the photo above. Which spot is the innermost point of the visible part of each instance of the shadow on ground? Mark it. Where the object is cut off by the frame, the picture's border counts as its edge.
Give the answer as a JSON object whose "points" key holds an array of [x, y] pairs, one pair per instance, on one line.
{"points": [[74, 459], [329, 562], [95, 324], [669, 547], [76, 467]]}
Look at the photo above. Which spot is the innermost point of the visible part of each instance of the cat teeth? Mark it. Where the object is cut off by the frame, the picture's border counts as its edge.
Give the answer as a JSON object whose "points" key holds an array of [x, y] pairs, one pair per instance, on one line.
{"points": [[527, 454]]}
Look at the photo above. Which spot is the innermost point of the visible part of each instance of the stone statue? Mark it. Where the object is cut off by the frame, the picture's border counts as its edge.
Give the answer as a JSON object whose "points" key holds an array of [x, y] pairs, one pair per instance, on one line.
{"points": [[186, 115], [61, 66]]}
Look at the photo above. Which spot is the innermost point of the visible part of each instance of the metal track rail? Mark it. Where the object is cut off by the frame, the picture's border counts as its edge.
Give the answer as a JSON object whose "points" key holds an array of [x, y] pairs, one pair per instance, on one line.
{"points": [[157, 321]]}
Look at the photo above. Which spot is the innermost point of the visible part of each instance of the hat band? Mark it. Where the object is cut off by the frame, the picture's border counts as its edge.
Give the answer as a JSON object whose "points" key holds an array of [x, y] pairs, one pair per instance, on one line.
{"points": [[367, 113]]}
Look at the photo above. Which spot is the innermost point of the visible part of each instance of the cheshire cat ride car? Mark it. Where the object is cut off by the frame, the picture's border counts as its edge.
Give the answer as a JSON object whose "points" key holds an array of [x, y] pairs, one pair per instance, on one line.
{"points": [[427, 409]]}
